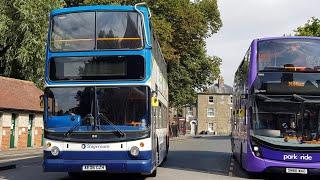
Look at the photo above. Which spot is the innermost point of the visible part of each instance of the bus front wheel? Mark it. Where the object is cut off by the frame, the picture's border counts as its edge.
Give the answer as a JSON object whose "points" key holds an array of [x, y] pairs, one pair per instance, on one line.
{"points": [[167, 150], [154, 173], [240, 158], [74, 174]]}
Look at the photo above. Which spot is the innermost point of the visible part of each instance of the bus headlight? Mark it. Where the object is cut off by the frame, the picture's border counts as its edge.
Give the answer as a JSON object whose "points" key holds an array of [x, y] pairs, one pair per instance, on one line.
{"points": [[55, 151], [134, 151], [256, 149]]}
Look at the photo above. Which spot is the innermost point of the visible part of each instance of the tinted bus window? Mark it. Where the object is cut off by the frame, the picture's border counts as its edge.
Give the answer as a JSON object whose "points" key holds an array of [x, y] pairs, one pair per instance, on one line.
{"points": [[289, 55], [73, 32], [97, 68], [119, 30], [87, 31], [241, 76]]}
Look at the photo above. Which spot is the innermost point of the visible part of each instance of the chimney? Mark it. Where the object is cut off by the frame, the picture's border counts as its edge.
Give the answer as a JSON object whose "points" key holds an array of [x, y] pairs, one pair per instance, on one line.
{"points": [[220, 82]]}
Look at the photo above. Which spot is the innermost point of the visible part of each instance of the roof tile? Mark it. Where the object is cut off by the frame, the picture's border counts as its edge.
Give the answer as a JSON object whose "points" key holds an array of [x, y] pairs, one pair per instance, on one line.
{"points": [[19, 94]]}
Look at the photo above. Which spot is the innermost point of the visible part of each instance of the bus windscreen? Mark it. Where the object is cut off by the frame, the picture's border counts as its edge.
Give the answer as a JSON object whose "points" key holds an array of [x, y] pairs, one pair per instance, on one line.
{"points": [[86, 31], [96, 109], [289, 55], [287, 124]]}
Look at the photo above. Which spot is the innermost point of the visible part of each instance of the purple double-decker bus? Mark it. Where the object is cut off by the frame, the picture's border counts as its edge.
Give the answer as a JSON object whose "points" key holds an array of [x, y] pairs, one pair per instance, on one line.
{"points": [[276, 110]]}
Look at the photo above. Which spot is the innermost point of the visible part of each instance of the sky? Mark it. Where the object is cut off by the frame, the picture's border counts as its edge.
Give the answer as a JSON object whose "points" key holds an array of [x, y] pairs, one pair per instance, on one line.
{"points": [[246, 20]]}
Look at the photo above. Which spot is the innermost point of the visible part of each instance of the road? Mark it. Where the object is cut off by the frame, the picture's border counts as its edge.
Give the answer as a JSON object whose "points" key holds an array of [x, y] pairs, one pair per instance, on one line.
{"points": [[207, 157]]}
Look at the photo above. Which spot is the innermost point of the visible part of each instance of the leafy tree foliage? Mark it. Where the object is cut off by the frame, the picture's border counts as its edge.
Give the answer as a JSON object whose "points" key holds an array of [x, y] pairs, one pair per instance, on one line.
{"points": [[71, 3], [311, 28], [23, 29], [181, 27]]}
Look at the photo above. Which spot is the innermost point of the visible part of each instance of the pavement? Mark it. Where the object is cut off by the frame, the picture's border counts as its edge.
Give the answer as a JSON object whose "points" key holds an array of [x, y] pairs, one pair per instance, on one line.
{"points": [[180, 138], [8, 158], [16, 152], [188, 136]]}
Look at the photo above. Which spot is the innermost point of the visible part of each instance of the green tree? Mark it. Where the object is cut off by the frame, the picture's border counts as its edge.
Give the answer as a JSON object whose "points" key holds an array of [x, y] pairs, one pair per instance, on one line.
{"points": [[311, 28], [71, 3], [23, 29]]}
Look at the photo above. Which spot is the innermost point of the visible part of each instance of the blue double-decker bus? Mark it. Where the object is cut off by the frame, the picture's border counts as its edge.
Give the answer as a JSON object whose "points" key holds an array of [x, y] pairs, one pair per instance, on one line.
{"points": [[106, 92]]}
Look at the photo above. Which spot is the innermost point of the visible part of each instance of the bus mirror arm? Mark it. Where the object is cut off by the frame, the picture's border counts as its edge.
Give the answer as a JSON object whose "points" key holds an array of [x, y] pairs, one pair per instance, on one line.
{"points": [[148, 44], [244, 96], [155, 93]]}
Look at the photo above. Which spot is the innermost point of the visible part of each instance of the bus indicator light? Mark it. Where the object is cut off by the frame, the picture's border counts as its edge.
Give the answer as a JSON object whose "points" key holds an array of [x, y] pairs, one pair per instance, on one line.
{"points": [[48, 144], [141, 144]]}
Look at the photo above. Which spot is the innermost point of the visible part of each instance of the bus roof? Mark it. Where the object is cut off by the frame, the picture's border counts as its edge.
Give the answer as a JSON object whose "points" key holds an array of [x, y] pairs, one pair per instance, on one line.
{"points": [[287, 37], [96, 8]]}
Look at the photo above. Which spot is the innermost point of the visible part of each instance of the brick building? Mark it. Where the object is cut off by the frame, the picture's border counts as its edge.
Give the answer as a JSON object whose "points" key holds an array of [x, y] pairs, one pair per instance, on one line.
{"points": [[214, 109], [21, 121]]}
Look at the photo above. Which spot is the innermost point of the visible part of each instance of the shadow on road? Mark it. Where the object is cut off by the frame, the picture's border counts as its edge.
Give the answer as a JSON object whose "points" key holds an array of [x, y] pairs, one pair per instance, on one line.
{"points": [[32, 169], [199, 161], [104, 176], [210, 137]]}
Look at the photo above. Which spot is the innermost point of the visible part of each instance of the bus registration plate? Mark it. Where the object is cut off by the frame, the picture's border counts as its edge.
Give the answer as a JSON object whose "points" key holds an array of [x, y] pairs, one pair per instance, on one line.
{"points": [[94, 168], [296, 171]]}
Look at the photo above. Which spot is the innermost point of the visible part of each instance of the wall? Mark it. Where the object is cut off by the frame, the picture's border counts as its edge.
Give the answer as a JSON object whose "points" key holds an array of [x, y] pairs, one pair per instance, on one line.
{"points": [[21, 130], [5, 135], [222, 113]]}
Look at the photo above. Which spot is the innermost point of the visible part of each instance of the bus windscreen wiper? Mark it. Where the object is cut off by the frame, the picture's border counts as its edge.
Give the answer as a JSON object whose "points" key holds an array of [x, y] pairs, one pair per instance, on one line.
{"points": [[117, 131], [88, 118]]}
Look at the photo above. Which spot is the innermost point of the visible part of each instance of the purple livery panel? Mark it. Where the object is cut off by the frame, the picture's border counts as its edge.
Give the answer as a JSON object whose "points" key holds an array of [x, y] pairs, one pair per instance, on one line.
{"points": [[290, 156], [280, 159]]}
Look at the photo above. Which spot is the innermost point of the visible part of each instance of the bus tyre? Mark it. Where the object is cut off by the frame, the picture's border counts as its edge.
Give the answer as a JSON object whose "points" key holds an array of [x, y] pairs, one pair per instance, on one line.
{"points": [[232, 149], [74, 174], [154, 173], [158, 163], [167, 150], [253, 175], [240, 158]]}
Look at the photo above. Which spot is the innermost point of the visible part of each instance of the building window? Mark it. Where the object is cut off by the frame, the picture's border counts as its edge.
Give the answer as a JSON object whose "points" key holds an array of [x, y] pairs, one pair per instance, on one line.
{"points": [[210, 99], [210, 112], [1, 115], [190, 111], [210, 127], [230, 99]]}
